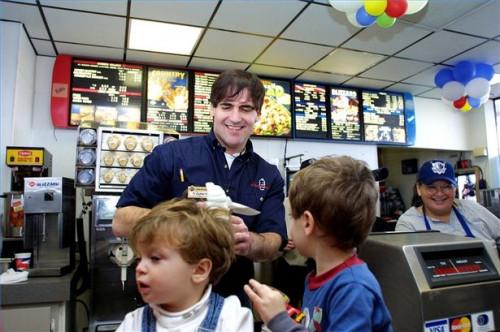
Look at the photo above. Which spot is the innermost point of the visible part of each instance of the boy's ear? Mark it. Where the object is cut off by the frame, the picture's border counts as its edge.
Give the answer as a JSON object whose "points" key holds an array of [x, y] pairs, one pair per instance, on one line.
{"points": [[308, 222], [202, 271]]}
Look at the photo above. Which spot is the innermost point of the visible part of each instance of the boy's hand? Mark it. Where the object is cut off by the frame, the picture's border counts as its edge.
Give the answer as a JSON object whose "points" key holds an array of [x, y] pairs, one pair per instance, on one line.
{"points": [[267, 301]]}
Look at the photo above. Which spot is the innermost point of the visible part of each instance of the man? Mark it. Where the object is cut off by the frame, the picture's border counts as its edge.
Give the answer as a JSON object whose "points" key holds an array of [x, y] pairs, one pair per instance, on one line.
{"points": [[226, 158]]}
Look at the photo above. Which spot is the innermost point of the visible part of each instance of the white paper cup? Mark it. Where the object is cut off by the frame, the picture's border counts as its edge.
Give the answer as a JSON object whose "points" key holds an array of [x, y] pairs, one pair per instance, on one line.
{"points": [[22, 261]]}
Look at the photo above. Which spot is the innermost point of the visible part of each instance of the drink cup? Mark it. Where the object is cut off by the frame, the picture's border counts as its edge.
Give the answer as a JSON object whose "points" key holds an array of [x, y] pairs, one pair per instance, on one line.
{"points": [[22, 261]]}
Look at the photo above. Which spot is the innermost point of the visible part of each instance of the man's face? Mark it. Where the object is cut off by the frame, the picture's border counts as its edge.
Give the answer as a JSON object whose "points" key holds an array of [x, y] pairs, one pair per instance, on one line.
{"points": [[233, 121]]}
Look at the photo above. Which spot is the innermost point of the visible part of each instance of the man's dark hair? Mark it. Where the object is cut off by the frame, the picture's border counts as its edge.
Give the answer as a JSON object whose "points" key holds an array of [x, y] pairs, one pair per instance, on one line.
{"points": [[231, 82]]}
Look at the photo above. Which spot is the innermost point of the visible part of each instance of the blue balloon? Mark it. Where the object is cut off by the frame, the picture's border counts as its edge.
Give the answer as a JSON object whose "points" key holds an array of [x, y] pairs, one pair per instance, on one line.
{"points": [[464, 71], [485, 70], [364, 18], [442, 77], [474, 102]]}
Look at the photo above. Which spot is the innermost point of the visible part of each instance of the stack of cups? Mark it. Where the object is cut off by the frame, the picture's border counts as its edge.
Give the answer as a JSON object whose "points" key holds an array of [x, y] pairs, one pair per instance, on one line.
{"points": [[22, 261]]}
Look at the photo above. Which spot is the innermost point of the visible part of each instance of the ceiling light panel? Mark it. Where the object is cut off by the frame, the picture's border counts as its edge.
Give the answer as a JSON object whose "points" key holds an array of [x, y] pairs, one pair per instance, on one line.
{"points": [[162, 37]]}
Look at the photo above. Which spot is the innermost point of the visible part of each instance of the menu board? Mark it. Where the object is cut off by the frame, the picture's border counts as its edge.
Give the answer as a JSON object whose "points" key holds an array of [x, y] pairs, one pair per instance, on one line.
{"points": [[310, 111], [105, 92], [345, 115], [276, 116], [168, 99], [202, 115], [384, 117]]}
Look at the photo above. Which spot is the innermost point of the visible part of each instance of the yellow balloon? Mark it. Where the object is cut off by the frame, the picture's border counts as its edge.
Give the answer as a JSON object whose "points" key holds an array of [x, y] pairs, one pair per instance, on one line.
{"points": [[375, 7], [466, 108]]}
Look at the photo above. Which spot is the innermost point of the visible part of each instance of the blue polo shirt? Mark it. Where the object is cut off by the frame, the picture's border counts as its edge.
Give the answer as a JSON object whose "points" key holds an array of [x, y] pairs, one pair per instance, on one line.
{"points": [[250, 180]]}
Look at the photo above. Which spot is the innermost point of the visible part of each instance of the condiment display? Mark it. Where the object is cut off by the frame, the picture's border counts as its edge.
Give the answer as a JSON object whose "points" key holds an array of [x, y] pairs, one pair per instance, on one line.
{"points": [[120, 154]]}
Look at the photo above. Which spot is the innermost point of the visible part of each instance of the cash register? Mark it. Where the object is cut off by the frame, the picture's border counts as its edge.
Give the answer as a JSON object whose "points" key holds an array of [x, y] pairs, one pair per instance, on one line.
{"points": [[436, 282]]}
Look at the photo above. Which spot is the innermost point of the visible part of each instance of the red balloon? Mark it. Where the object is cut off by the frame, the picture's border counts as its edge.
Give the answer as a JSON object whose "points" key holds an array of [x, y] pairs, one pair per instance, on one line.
{"points": [[460, 102], [396, 8]]}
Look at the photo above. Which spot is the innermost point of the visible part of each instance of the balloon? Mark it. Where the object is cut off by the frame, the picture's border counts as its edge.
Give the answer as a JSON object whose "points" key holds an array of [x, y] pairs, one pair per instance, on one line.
{"points": [[474, 102], [466, 107], [460, 102], [349, 6], [375, 7], [453, 90], [363, 18], [385, 21], [351, 17], [415, 6], [478, 87], [396, 8], [442, 77], [464, 71], [485, 70], [484, 98]]}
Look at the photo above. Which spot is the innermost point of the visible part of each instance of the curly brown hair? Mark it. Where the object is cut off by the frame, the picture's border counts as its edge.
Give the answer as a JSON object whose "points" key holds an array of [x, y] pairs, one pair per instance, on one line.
{"points": [[341, 195], [196, 232]]}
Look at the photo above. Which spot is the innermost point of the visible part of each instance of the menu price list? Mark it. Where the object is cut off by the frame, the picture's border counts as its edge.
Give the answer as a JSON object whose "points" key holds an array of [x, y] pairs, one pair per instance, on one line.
{"points": [[384, 117], [202, 117], [345, 115], [105, 92], [168, 99], [310, 111]]}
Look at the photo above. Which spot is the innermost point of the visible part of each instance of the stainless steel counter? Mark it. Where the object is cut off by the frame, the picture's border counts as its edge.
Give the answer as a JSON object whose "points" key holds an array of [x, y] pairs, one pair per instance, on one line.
{"points": [[36, 290]]}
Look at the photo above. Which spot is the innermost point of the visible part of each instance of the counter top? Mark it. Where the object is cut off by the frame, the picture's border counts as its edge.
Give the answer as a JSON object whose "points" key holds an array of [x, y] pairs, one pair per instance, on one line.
{"points": [[36, 290]]}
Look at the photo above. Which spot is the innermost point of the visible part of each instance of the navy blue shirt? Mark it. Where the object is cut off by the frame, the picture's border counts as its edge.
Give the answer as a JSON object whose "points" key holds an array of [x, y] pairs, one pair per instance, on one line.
{"points": [[250, 180]]}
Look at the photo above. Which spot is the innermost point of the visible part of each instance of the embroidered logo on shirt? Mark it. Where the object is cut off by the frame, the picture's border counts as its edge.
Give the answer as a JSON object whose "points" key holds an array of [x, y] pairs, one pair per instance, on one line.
{"points": [[261, 185], [439, 167]]}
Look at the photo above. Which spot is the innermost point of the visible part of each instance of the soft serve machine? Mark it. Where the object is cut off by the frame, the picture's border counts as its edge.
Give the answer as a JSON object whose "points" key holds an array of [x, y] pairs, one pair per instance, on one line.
{"points": [[108, 157]]}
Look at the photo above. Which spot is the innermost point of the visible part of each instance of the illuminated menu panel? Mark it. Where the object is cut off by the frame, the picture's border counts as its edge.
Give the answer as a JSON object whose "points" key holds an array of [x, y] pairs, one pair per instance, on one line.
{"points": [[168, 99], [202, 117], [310, 111], [384, 117], [345, 115], [105, 92], [276, 116]]}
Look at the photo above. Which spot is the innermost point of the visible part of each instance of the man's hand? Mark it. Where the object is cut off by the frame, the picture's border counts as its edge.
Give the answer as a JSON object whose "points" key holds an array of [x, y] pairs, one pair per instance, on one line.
{"points": [[266, 301], [242, 237]]}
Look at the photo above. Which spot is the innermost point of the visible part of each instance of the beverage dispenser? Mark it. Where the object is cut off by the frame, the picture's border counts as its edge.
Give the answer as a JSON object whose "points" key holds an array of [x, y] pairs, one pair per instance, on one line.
{"points": [[49, 207]]}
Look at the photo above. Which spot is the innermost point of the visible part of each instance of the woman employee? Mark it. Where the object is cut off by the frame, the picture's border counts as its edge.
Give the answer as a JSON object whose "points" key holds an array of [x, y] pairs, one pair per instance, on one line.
{"points": [[435, 207]]}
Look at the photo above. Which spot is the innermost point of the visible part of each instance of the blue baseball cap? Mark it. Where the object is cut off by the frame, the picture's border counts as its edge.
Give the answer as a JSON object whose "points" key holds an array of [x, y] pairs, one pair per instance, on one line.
{"points": [[435, 170]]}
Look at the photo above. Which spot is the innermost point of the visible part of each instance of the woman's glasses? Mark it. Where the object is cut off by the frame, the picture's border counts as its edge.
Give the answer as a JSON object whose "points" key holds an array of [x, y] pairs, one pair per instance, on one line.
{"points": [[446, 189]]}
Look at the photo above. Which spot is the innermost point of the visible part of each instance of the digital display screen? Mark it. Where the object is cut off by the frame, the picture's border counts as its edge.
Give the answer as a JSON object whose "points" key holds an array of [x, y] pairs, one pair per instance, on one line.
{"points": [[467, 186], [383, 117], [202, 117], [105, 92], [168, 99], [345, 115], [276, 115], [310, 111], [455, 265]]}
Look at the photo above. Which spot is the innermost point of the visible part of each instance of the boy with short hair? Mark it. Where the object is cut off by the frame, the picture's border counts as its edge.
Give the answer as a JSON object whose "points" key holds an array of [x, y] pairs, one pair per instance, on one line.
{"points": [[182, 250], [332, 209]]}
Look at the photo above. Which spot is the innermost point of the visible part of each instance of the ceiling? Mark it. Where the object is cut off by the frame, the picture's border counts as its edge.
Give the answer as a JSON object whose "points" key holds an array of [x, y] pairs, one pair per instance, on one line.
{"points": [[293, 39]]}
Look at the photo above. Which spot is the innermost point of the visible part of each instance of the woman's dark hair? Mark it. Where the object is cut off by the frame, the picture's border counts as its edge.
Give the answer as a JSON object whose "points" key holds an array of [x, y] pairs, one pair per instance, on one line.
{"points": [[416, 200]]}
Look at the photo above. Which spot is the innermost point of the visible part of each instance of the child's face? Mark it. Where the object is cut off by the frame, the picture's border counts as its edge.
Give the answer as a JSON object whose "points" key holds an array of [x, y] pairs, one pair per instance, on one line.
{"points": [[164, 277], [298, 235]]}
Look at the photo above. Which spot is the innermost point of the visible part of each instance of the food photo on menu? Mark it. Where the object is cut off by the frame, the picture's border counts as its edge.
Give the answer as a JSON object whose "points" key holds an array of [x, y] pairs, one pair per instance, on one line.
{"points": [[168, 98], [275, 117]]}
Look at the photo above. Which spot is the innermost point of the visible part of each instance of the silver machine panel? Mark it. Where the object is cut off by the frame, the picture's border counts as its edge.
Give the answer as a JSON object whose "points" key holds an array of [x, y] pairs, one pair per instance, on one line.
{"points": [[49, 207], [436, 282]]}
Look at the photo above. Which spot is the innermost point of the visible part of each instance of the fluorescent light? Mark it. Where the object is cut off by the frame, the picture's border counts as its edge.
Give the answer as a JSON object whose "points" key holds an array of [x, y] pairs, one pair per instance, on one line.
{"points": [[162, 37]]}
